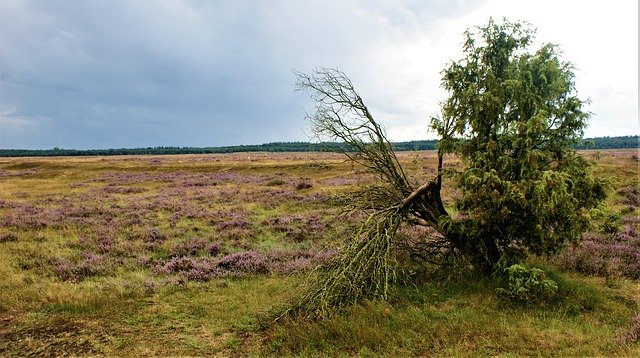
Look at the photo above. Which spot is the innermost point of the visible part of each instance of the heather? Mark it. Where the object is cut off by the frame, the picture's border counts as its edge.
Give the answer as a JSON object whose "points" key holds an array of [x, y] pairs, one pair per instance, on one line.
{"points": [[186, 256]]}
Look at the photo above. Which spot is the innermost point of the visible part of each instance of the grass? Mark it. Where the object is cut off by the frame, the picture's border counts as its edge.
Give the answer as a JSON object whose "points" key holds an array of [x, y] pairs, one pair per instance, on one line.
{"points": [[466, 319], [86, 250]]}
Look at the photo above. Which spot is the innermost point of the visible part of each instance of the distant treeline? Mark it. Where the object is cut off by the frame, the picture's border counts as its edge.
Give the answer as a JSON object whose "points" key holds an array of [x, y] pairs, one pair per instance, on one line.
{"points": [[589, 143]]}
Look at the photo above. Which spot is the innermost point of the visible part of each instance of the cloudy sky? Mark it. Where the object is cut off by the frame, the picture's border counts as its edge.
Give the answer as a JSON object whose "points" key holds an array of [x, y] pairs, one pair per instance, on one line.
{"points": [[137, 73]]}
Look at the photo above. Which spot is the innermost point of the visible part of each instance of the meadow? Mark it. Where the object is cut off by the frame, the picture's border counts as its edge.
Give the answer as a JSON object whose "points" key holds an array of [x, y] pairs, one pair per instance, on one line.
{"points": [[187, 255]]}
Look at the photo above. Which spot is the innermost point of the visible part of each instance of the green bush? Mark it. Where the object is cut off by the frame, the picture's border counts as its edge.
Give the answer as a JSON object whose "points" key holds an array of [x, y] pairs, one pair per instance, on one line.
{"points": [[611, 224], [526, 285]]}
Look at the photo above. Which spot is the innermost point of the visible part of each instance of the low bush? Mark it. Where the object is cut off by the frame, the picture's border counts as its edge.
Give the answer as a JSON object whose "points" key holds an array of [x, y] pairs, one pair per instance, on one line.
{"points": [[526, 285], [633, 334]]}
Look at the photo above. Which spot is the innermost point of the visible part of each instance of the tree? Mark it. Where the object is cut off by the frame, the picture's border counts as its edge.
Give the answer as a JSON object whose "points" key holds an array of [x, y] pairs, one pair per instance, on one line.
{"points": [[511, 117], [366, 266]]}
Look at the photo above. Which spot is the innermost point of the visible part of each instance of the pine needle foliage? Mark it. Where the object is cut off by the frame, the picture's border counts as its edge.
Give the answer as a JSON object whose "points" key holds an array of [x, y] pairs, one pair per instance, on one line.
{"points": [[512, 115]]}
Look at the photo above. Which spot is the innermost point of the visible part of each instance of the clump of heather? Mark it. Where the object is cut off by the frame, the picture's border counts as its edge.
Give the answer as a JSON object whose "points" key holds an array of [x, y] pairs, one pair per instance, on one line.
{"points": [[288, 261], [314, 224], [633, 334], [178, 264], [303, 184], [272, 197], [63, 268], [191, 268], [190, 247], [89, 264], [7, 204], [616, 254], [105, 243], [214, 248], [630, 196], [232, 219], [281, 223], [113, 189], [250, 262], [297, 227], [8, 237], [154, 237], [30, 217], [235, 223]]}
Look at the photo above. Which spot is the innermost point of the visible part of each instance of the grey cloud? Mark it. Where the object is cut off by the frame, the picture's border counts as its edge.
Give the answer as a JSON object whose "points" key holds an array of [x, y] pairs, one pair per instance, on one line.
{"points": [[97, 74]]}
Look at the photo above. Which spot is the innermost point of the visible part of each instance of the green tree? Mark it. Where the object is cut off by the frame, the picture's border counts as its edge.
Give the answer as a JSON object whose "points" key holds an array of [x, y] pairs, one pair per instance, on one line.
{"points": [[512, 116]]}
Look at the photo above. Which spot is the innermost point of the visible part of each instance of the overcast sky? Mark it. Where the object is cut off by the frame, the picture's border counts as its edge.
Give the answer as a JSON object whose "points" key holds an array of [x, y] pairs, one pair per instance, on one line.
{"points": [[137, 73]]}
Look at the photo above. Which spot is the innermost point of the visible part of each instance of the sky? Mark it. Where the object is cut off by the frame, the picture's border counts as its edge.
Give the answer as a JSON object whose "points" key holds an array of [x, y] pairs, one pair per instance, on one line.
{"points": [[89, 74]]}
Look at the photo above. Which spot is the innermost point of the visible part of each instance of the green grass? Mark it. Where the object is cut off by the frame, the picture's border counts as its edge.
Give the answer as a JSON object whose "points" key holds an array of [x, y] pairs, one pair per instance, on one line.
{"points": [[129, 309], [466, 318]]}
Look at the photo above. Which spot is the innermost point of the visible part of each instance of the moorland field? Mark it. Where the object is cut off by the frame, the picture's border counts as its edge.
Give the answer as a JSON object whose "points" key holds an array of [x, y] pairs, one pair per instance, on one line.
{"points": [[188, 254]]}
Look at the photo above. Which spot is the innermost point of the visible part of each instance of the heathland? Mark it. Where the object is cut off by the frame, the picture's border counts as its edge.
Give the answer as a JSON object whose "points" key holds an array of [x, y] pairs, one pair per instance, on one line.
{"points": [[188, 255]]}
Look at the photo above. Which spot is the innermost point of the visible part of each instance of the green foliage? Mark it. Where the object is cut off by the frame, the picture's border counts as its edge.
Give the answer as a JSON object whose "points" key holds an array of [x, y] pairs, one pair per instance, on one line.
{"points": [[365, 269], [611, 224], [512, 116], [526, 285]]}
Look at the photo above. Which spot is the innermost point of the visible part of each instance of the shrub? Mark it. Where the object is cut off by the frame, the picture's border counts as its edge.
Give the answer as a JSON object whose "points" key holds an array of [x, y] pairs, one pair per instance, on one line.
{"points": [[275, 182], [153, 238], [214, 248], [8, 237], [90, 264], [246, 262], [526, 285], [630, 195], [611, 224], [633, 334], [190, 269], [606, 255], [189, 247], [303, 185]]}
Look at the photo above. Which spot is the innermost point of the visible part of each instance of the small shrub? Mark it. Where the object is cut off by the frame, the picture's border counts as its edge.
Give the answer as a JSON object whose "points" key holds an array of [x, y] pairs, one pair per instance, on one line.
{"points": [[288, 261], [234, 224], [611, 224], [190, 269], [63, 268], [214, 248], [633, 334], [303, 185], [8, 237], [247, 262], [112, 189], [154, 236], [606, 255], [189, 247], [630, 195], [275, 182], [105, 243], [90, 264], [526, 285], [178, 264]]}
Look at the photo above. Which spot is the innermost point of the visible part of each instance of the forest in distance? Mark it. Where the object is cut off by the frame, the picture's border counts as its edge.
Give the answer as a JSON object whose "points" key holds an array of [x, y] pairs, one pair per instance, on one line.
{"points": [[620, 142]]}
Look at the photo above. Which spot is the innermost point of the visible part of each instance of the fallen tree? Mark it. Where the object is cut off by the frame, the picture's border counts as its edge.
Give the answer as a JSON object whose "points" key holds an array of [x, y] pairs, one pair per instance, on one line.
{"points": [[511, 117]]}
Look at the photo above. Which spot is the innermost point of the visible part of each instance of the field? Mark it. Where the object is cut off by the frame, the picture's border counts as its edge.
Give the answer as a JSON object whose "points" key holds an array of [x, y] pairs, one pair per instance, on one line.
{"points": [[187, 255]]}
